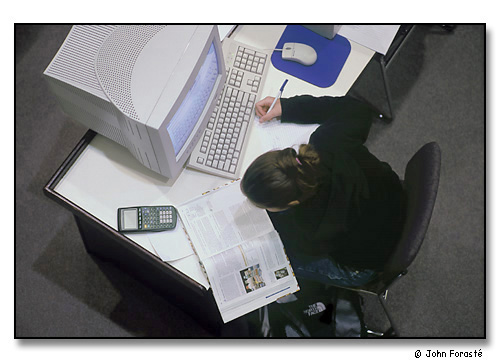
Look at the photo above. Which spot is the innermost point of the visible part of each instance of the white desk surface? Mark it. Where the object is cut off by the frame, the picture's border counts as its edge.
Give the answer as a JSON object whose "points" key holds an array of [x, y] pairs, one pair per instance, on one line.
{"points": [[106, 176]]}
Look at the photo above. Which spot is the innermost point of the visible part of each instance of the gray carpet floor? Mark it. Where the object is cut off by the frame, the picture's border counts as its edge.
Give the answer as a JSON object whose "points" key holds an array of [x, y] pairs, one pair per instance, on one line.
{"points": [[438, 87]]}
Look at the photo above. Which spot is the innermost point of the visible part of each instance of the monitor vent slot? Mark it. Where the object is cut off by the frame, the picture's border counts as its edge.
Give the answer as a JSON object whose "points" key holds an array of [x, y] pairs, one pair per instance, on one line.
{"points": [[131, 147], [76, 59], [138, 151], [130, 128], [115, 63], [148, 159]]}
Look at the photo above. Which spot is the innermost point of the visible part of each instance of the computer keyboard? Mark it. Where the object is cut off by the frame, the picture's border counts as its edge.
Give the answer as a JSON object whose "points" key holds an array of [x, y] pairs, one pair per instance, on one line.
{"points": [[223, 143]]}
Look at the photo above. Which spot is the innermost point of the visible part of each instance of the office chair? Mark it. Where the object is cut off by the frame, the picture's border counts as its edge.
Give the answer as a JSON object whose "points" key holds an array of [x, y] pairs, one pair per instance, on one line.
{"points": [[421, 181]]}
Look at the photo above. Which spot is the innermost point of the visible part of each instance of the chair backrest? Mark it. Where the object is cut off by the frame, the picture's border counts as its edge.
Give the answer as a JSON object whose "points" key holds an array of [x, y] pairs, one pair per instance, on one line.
{"points": [[421, 183]]}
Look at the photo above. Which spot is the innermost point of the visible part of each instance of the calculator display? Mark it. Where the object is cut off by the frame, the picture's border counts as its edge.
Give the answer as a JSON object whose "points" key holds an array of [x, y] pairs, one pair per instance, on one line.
{"points": [[130, 220]]}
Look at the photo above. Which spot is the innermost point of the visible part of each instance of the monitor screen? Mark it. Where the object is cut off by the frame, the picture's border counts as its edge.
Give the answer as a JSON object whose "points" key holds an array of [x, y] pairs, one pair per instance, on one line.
{"points": [[182, 124]]}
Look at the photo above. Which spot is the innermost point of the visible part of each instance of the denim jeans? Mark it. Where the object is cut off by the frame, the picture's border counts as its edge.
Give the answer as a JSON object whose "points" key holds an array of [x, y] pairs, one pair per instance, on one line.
{"points": [[327, 271]]}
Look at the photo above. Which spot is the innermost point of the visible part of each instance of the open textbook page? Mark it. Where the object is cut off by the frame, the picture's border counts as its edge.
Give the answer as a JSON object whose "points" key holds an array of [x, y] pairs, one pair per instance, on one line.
{"points": [[242, 254]]}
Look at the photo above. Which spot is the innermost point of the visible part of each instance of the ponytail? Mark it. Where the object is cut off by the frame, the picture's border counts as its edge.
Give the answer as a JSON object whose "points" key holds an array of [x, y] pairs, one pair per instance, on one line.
{"points": [[277, 178]]}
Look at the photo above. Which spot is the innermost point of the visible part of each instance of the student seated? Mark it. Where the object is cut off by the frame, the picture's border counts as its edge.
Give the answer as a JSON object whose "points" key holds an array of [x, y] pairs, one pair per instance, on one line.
{"points": [[338, 209]]}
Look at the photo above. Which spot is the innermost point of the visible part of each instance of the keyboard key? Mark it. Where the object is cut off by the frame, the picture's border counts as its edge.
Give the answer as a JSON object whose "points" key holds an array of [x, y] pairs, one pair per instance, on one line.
{"points": [[242, 134]]}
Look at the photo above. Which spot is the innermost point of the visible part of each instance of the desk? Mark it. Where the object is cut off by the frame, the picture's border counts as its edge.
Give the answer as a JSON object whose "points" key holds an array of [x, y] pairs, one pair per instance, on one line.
{"points": [[99, 176]]}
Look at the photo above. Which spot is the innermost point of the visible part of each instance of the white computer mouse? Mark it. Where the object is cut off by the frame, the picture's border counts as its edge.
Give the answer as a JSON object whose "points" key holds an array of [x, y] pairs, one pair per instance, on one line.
{"points": [[300, 53]]}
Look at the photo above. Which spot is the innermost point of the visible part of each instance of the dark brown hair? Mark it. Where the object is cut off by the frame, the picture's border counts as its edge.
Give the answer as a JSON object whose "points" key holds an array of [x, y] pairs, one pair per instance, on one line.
{"points": [[277, 178]]}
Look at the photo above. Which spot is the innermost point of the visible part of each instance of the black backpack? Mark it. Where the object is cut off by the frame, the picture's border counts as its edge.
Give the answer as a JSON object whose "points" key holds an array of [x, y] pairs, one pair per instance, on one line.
{"points": [[316, 311]]}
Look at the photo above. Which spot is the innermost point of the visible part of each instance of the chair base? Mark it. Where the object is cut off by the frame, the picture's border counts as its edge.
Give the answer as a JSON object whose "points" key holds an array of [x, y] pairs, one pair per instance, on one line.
{"points": [[387, 334], [379, 289]]}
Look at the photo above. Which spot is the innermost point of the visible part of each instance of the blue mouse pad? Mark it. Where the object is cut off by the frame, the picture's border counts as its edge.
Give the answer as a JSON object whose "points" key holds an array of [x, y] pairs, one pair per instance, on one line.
{"points": [[332, 55]]}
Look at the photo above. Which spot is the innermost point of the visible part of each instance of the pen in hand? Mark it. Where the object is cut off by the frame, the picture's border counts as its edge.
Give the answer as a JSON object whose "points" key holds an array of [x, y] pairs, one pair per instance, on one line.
{"points": [[278, 95]]}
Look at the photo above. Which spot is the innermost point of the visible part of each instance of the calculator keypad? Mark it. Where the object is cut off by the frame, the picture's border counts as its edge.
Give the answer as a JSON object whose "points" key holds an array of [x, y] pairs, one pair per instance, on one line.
{"points": [[158, 217]]}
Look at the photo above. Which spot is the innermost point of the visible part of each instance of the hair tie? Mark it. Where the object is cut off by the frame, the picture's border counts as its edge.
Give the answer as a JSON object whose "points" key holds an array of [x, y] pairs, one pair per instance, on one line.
{"points": [[298, 161]]}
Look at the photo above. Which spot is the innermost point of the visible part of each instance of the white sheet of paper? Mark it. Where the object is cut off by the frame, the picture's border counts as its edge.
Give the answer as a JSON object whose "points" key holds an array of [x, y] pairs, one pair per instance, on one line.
{"points": [[190, 266], [224, 30], [274, 135], [171, 244], [375, 37]]}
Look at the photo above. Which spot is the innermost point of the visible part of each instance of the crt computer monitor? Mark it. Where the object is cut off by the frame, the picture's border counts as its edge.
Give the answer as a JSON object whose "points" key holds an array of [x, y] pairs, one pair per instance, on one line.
{"points": [[150, 88]]}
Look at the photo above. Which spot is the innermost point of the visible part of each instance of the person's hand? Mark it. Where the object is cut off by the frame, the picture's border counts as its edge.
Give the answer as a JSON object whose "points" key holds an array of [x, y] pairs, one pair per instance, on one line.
{"points": [[261, 108]]}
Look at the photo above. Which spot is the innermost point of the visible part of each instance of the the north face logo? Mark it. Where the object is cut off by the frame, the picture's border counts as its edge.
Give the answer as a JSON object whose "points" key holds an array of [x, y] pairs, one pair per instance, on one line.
{"points": [[315, 308]]}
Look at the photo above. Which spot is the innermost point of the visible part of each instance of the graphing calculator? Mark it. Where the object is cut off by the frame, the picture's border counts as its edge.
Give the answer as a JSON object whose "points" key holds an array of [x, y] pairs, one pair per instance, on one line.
{"points": [[146, 218]]}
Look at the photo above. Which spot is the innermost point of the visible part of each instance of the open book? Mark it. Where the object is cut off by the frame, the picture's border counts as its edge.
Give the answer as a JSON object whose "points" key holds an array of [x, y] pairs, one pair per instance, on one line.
{"points": [[239, 249]]}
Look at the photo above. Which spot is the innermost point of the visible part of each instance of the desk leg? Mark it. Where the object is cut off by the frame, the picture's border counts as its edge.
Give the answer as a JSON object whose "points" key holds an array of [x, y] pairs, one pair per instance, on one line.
{"points": [[383, 68]]}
